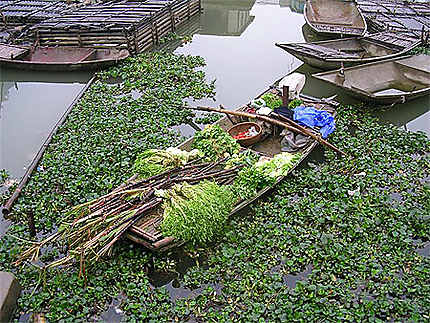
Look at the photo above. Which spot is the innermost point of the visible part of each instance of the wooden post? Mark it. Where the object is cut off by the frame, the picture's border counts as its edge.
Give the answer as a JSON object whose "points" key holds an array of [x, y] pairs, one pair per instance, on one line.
{"points": [[285, 95]]}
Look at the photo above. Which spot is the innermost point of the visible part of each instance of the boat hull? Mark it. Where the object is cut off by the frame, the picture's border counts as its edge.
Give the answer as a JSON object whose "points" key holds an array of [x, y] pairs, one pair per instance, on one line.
{"points": [[385, 82], [62, 59], [335, 17], [331, 54]]}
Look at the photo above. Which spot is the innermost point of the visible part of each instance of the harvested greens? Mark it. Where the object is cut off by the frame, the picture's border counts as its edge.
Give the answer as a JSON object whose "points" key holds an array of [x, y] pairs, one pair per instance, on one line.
{"points": [[263, 173], [295, 103], [272, 100], [196, 213], [215, 142], [154, 161]]}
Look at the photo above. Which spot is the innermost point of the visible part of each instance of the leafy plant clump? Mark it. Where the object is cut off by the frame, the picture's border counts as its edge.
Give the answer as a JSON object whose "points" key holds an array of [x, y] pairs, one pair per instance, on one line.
{"points": [[196, 213], [154, 161], [247, 158], [214, 142], [295, 103], [272, 100], [420, 50], [263, 173]]}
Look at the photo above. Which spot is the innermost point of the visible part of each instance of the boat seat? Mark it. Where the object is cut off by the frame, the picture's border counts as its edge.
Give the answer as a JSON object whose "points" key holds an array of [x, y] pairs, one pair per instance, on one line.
{"points": [[328, 52], [89, 56]]}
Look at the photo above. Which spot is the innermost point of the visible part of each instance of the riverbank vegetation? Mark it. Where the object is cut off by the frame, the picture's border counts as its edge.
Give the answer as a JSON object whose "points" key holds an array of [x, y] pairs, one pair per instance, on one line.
{"points": [[347, 238]]}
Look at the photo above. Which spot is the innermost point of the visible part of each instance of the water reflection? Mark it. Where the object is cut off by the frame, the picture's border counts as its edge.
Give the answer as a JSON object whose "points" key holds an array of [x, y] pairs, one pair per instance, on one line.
{"points": [[245, 65], [225, 18], [31, 103]]}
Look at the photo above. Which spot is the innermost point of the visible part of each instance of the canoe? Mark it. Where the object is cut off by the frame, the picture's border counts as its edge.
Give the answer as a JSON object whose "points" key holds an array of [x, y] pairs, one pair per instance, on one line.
{"points": [[330, 54], [146, 231], [385, 82], [340, 17], [59, 58]]}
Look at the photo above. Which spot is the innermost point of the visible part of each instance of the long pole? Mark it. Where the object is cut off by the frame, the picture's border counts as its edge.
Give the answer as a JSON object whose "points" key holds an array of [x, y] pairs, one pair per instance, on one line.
{"points": [[293, 126]]}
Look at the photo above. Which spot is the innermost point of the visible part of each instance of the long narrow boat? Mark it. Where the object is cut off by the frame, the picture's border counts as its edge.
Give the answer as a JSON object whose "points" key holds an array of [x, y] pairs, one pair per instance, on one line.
{"points": [[385, 82], [331, 54], [146, 231], [59, 58], [340, 17]]}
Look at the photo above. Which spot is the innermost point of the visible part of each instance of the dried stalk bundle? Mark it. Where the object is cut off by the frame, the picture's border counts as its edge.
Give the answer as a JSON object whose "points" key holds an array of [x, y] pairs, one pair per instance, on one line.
{"points": [[91, 229]]}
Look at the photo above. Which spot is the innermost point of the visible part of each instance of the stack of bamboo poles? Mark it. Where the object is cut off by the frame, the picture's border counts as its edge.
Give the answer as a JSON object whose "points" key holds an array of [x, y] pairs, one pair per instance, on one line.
{"points": [[132, 25]]}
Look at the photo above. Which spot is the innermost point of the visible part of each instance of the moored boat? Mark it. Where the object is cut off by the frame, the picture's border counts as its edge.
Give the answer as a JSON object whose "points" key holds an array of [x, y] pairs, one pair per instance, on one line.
{"points": [[340, 17], [59, 58], [331, 54], [384, 82], [146, 231]]}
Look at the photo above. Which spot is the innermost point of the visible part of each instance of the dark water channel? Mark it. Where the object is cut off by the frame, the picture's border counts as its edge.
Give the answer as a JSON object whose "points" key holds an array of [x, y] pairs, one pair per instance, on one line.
{"points": [[235, 37]]}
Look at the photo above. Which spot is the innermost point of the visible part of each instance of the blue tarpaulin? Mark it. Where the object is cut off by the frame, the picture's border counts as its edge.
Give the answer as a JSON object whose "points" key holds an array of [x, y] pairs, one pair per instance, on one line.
{"points": [[312, 117]]}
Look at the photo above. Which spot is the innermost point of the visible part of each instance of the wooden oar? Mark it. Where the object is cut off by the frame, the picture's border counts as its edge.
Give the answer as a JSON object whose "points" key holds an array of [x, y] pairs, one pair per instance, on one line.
{"points": [[293, 126]]}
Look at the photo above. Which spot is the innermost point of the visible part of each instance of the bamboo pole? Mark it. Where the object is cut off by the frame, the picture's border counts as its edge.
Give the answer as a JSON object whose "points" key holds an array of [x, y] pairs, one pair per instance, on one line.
{"points": [[293, 126]]}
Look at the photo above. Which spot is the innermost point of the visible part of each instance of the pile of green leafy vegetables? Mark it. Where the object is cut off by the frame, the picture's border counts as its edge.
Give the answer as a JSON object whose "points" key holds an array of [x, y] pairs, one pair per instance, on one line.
{"points": [[154, 161], [196, 213], [214, 142]]}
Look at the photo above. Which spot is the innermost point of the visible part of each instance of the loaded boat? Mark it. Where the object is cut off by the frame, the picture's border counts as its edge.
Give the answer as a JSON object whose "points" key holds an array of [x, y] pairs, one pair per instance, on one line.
{"points": [[59, 58], [340, 17], [147, 232], [386, 82], [331, 54]]}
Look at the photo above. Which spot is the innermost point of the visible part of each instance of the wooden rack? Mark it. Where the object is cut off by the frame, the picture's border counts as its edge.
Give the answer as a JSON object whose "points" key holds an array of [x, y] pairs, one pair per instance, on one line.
{"points": [[133, 25]]}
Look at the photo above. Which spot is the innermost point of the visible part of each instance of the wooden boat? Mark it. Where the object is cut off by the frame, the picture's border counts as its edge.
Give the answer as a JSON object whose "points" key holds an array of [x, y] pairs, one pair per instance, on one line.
{"points": [[146, 231], [59, 58], [385, 82], [335, 17], [330, 54]]}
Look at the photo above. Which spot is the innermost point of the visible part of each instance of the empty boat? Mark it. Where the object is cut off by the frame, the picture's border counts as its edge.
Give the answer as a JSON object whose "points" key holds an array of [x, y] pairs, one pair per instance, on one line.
{"points": [[385, 82], [59, 58], [335, 17], [330, 54]]}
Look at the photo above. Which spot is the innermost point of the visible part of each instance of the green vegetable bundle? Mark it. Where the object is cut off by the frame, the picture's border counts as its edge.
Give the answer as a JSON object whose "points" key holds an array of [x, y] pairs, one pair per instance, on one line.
{"points": [[154, 161], [263, 173], [196, 213], [272, 100], [214, 142]]}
